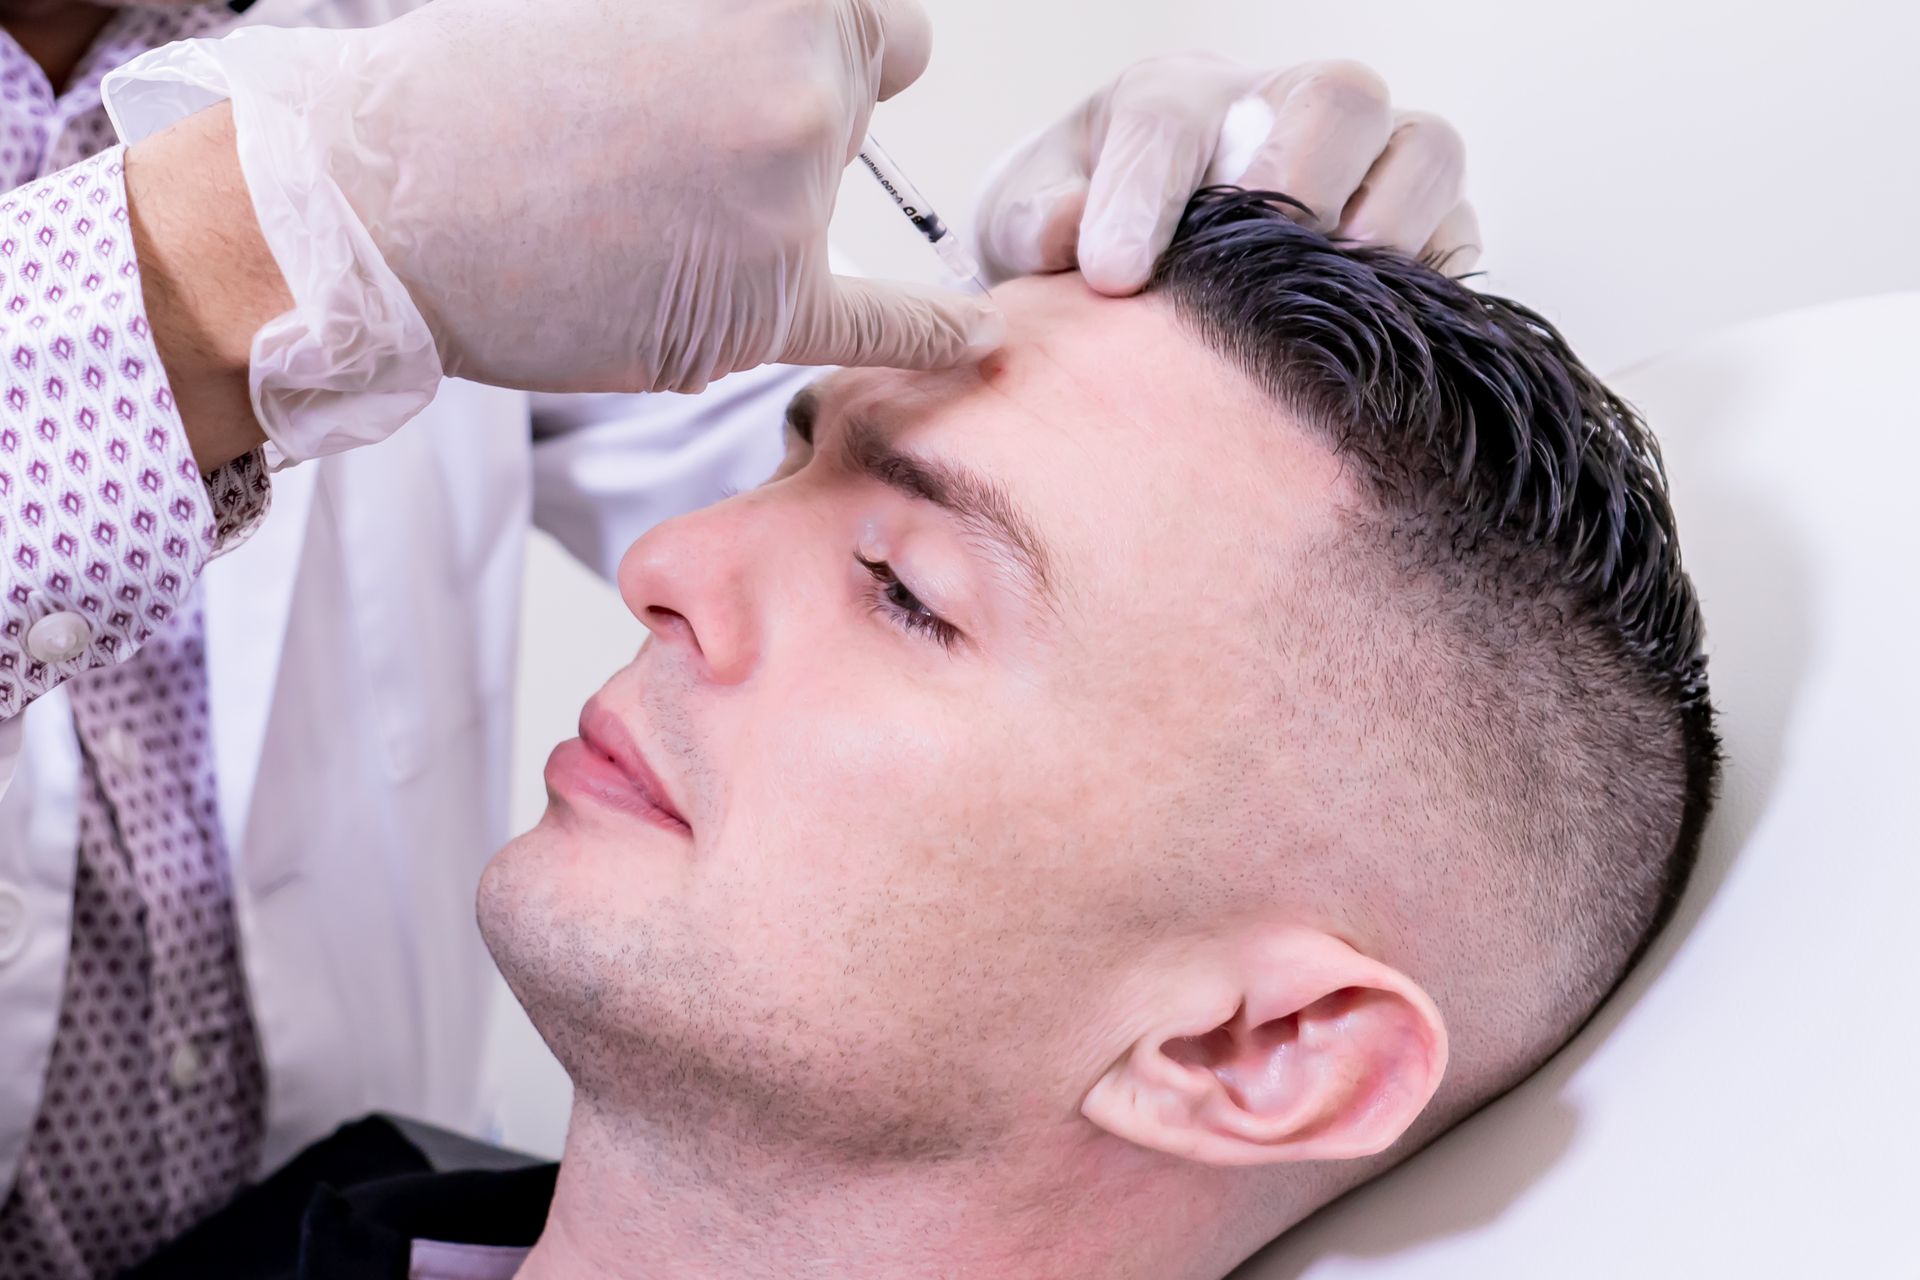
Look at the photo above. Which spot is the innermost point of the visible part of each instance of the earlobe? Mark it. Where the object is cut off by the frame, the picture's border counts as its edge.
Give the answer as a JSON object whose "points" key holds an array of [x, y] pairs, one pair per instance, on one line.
{"points": [[1330, 1055]]}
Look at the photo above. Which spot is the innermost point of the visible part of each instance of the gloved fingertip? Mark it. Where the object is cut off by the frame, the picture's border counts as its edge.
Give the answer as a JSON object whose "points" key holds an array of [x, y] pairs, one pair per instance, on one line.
{"points": [[1359, 230], [986, 333], [1118, 272], [1117, 246]]}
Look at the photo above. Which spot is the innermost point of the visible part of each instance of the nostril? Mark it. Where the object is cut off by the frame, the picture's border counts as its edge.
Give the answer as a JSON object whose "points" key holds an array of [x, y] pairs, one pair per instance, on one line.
{"points": [[669, 624]]}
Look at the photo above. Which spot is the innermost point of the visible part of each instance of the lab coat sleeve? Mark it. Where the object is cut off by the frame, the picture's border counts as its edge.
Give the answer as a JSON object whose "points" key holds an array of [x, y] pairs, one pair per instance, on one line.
{"points": [[105, 522], [609, 467]]}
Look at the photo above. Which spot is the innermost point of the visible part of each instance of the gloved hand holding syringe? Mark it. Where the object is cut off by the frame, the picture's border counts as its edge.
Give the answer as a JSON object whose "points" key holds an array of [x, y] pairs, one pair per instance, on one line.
{"points": [[422, 230]]}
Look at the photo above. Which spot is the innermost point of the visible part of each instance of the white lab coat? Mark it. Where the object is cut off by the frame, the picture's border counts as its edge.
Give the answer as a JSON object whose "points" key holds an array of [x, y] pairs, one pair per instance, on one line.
{"points": [[361, 659]]}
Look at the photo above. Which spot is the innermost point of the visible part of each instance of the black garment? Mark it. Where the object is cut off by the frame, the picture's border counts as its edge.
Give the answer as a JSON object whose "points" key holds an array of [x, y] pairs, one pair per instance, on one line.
{"points": [[349, 1207]]}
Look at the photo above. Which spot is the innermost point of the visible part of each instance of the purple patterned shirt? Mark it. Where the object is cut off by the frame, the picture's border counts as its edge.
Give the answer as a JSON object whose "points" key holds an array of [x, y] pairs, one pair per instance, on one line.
{"points": [[154, 1102]]}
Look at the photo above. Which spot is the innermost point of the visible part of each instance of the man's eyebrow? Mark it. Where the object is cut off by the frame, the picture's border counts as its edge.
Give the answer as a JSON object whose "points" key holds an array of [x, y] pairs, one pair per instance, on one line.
{"points": [[979, 502]]}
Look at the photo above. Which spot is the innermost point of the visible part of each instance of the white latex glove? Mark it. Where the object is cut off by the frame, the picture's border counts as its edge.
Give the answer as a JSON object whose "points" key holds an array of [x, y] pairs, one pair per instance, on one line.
{"points": [[570, 195], [1103, 189]]}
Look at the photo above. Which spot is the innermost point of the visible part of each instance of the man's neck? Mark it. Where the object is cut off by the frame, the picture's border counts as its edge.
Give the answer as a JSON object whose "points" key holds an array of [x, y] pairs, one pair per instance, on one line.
{"points": [[54, 33], [627, 1203]]}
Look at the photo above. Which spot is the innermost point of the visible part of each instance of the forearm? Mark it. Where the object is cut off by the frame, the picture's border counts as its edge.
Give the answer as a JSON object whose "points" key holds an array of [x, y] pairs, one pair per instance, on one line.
{"points": [[208, 278]]}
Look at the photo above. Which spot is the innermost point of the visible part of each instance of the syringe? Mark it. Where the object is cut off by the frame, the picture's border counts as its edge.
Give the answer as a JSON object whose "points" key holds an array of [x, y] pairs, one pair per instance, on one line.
{"points": [[953, 254]]}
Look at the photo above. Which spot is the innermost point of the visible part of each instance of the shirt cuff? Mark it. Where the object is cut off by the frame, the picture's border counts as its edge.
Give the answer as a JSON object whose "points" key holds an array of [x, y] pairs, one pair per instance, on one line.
{"points": [[105, 521], [241, 492]]}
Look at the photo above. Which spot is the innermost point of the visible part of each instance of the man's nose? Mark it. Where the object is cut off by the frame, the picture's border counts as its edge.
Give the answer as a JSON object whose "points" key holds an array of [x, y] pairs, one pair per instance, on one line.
{"points": [[687, 582]]}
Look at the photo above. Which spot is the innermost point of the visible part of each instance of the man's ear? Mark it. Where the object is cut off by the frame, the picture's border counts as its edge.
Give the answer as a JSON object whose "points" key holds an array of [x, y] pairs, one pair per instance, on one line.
{"points": [[1291, 1046]]}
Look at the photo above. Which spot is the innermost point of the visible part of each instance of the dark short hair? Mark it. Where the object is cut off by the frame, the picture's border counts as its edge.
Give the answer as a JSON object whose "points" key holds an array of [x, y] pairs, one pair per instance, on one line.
{"points": [[1525, 505]]}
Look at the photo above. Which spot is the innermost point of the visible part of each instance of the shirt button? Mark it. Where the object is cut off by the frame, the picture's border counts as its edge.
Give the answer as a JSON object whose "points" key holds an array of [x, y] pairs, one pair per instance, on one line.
{"points": [[121, 747], [13, 924], [59, 637], [185, 1066]]}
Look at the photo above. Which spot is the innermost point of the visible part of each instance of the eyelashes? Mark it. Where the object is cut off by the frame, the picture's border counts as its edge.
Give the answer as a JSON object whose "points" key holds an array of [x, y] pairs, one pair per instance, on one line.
{"points": [[894, 600]]}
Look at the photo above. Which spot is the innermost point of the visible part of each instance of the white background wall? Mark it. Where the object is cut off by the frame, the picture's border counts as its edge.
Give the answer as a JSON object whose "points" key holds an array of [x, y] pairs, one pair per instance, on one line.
{"points": [[1644, 171]]}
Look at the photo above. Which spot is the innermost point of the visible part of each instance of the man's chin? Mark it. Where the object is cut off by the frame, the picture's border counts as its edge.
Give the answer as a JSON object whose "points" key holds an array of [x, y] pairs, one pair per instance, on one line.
{"points": [[576, 937], [495, 905], [523, 893], [540, 947]]}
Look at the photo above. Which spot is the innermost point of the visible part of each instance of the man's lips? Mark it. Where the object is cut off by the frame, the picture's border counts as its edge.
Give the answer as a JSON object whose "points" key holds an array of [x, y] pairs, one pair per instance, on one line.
{"points": [[604, 764]]}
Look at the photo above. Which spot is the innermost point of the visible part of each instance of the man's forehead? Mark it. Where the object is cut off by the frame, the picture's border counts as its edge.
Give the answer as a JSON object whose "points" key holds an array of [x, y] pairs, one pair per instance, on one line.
{"points": [[1072, 358], [1081, 371], [1128, 440]]}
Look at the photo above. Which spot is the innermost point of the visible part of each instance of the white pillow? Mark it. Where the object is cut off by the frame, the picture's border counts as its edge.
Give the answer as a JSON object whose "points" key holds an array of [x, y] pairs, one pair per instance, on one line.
{"points": [[1746, 1106]]}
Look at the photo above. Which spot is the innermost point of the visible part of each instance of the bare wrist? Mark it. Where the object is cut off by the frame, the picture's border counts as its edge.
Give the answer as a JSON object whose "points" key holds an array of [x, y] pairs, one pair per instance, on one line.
{"points": [[208, 279]]}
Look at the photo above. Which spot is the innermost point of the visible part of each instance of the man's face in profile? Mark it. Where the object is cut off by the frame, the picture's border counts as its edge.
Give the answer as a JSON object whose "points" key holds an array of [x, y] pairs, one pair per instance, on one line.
{"points": [[962, 712]]}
